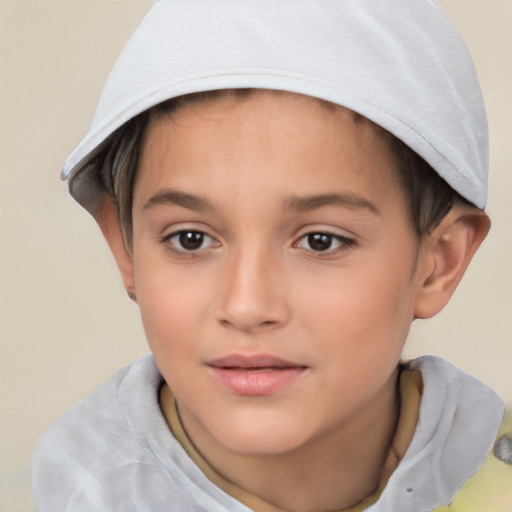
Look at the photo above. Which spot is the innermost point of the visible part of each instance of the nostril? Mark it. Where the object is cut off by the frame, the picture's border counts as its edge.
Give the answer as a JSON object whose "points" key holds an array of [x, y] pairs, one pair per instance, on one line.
{"points": [[254, 326]]}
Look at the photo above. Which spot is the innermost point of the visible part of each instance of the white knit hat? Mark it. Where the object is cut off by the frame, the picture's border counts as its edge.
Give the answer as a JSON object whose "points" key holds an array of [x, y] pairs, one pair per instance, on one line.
{"points": [[400, 63]]}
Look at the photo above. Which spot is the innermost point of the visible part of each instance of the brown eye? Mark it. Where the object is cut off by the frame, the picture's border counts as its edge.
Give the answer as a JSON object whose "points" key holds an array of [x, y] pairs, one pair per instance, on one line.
{"points": [[329, 243], [191, 240], [320, 241]]}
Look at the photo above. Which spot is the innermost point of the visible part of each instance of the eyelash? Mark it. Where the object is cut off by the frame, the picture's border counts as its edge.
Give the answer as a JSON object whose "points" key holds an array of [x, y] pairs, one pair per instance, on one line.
{"points": [[178, 247], [198, 238], [342, 243]]}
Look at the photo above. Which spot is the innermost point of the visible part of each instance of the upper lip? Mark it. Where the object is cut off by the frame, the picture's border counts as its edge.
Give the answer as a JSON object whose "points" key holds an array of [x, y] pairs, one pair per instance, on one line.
{"points": [[252, 361]]}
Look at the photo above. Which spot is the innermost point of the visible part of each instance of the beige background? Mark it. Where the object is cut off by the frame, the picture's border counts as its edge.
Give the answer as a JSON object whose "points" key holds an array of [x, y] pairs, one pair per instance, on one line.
{"points": [[65, 322]]}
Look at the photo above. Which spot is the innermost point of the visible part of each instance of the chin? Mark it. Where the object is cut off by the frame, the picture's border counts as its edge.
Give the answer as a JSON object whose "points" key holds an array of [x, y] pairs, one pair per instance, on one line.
{"points": [[257, 437]]}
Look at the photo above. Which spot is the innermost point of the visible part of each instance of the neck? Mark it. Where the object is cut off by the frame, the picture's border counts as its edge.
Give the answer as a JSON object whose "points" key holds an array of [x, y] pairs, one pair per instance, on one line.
{"points": [[334, 471]]}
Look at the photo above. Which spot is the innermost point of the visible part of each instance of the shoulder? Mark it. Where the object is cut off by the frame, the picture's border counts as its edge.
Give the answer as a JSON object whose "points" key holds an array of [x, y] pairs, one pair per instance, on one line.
{"points": [[491, 487], [459, 419], [93, 417], [114, 451], [95, 442]]}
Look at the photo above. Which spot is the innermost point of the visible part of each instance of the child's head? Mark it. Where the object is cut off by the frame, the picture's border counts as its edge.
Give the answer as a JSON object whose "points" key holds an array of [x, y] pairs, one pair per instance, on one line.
{"points": [[287, 221], [276, 226]]}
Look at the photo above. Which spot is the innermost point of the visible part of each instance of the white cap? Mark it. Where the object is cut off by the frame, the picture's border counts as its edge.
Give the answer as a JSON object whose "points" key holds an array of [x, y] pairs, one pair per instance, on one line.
{"points": [[400, 63]]}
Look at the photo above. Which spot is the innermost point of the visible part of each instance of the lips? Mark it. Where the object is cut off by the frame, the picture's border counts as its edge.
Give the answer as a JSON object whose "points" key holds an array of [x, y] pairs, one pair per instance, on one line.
{"points": [[255, 375]]}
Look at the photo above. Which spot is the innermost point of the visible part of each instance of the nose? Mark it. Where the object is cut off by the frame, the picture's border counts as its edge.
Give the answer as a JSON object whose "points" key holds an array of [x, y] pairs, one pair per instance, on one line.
{"points": [[253, 297]]}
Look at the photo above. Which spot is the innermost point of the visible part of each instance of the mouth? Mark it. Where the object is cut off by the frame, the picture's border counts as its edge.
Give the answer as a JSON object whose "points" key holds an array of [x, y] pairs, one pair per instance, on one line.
{"points": [[255, 375]]}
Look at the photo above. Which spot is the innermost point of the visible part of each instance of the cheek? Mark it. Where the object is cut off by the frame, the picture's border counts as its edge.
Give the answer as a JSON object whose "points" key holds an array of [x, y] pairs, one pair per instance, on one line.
{"points": [[363, 328], [172, 304], [363, 310]]}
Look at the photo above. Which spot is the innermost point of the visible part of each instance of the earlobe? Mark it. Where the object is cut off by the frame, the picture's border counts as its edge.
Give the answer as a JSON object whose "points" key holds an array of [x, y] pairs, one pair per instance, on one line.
{"points": [[108, 221], [446, 255]]}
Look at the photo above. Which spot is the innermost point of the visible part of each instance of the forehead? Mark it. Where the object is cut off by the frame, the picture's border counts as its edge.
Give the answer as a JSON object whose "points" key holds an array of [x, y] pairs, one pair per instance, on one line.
{"points": [[224, 104], [303, 139]]}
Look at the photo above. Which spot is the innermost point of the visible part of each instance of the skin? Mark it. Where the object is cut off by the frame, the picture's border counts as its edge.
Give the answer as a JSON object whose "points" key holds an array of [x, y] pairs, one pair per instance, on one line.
{"points": [[256, 177]]}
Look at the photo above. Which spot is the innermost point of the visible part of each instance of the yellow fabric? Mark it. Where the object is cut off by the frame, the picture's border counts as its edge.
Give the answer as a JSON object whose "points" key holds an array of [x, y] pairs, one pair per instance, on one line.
{"points": [[411, 388], [490, 490]]}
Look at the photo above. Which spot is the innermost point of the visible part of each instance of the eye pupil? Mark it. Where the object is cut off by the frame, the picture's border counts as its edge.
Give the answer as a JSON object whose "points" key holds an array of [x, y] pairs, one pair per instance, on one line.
{"points": [[191, 240], [319, 241]]}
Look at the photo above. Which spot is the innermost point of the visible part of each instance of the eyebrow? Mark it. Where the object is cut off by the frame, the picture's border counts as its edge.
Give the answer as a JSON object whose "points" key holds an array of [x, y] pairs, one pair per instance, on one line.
{"points": [[347, 200], [295, 203], [173, 197]]}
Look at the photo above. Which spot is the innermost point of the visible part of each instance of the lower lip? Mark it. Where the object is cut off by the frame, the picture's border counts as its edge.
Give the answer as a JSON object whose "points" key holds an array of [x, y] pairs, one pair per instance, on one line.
{"points": [[256, 382]]}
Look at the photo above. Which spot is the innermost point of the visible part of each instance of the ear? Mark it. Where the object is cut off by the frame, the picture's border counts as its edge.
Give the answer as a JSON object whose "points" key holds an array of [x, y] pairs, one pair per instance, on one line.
{"points": [[108, 221], [445, 256]]}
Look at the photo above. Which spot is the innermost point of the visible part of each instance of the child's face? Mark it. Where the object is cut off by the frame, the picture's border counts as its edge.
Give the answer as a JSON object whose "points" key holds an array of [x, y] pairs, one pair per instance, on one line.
{"points": [[271, 232]]}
